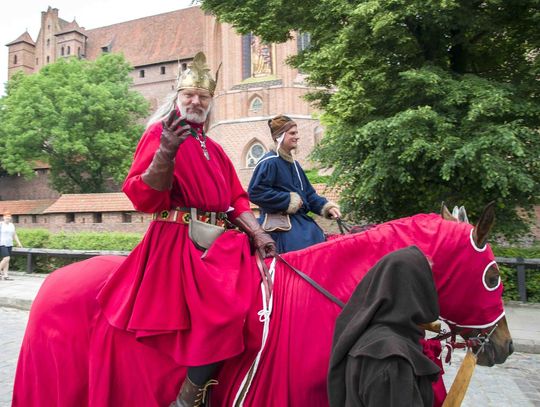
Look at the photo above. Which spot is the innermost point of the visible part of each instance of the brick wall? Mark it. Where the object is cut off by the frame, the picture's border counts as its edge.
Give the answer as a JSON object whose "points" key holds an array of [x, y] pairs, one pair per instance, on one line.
{"points": [[85, 222], [14, 187]]}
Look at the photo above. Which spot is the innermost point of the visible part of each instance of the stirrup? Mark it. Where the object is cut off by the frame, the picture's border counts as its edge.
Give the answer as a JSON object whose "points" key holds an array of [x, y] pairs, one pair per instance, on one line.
{"points": [[192, 395]]}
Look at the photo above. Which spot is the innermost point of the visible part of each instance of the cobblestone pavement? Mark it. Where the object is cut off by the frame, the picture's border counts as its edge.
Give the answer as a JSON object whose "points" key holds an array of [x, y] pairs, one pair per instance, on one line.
{"points": [[513, 384], [12, 325]]}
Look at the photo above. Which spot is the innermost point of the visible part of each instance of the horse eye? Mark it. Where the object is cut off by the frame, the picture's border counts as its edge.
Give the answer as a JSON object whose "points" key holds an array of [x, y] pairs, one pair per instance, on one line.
{"points": [[492, 277]]}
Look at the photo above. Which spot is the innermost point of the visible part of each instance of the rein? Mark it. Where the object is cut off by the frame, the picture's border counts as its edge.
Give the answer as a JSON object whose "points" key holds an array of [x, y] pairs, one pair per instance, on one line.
{"points": [[481, 339], [312, 282]]}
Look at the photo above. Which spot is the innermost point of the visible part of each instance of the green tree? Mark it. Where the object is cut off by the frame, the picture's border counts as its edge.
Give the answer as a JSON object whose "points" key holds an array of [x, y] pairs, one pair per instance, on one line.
{"points": [[423, 100], [77, 115]]}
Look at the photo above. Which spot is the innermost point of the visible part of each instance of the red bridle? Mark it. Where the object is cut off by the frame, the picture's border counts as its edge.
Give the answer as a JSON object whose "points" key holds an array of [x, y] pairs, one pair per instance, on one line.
{"points": [[480, 340]]}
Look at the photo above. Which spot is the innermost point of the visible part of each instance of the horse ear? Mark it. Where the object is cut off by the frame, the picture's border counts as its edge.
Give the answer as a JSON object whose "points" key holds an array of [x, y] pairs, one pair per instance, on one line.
{"points": [[445, 213], [462, 215], [483, 227]]}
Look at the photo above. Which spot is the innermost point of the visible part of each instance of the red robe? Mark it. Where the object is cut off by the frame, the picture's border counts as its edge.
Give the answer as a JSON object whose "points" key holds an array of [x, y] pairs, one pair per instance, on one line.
{"points": [[191, 308]]}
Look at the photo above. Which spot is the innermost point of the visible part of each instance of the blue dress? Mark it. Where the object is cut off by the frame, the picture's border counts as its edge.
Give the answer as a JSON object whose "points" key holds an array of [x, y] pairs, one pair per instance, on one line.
{"points": [[270, 188]]}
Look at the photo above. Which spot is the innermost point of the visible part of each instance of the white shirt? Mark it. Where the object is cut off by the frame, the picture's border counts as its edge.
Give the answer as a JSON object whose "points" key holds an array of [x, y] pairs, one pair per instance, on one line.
{"points": [[7, 230]]}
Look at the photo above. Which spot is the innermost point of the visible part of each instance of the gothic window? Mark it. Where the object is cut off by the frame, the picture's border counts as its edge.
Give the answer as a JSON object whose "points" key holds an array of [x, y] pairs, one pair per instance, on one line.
{"points": [[256, 105], [48, 42], [79, 52], [62, 51], [254, 154], [68, 50], [14, 59], [246, 56], [303, 41]]}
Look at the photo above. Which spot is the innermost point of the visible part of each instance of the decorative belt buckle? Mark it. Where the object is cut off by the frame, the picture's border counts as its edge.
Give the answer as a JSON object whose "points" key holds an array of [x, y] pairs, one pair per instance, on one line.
{"points": [[186, 217]]}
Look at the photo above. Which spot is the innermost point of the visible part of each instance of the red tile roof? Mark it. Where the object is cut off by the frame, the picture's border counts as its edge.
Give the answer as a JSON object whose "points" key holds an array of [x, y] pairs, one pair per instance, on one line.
{"points": [[24, 37], [102, 202], [149, 40], [26, 207], [70, 27]]}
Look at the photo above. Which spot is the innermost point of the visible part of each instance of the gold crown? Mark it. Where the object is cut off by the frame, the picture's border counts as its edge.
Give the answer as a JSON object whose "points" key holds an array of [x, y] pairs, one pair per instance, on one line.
{"points": [[197, 75]]}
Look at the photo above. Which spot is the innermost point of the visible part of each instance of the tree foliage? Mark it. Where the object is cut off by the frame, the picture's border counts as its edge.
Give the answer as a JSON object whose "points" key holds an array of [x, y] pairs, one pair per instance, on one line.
{"points": [[424, 101], [78, 116]]}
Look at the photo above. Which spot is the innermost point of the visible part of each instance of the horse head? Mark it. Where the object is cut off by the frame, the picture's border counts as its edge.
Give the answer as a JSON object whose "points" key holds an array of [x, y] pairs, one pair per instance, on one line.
{"points": [[476, 297]]}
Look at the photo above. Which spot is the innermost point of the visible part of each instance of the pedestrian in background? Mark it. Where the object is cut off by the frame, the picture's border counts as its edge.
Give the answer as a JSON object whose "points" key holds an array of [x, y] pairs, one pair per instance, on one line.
{"points": [[7, 235]]}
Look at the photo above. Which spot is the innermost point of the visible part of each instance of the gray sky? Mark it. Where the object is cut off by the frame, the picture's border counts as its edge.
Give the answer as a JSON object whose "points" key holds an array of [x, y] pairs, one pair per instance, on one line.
{"points": [[26, 14]]}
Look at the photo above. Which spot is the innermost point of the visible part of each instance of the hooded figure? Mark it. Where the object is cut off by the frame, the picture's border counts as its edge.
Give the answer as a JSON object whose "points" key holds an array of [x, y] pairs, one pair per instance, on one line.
{"points": [[377, 359]]}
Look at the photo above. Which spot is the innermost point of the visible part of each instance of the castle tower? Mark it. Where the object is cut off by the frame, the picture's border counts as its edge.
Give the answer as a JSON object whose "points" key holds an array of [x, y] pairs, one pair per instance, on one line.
{"points": [[46, 43], [255, 83], [71, 41], [22, 53]]}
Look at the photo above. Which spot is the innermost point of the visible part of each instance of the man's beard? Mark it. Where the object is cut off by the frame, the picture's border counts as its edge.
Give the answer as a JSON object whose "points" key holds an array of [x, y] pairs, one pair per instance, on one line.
{"points": [[195, 117]]}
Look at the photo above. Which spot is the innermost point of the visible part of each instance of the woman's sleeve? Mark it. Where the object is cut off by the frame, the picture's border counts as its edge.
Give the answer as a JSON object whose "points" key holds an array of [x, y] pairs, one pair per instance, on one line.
{"points": [[143, 197], [394, 386], [261, 188]]}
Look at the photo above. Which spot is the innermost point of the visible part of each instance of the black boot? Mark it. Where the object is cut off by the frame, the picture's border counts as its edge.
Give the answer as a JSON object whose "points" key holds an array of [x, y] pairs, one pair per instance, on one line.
{"points": [[192, 395]]}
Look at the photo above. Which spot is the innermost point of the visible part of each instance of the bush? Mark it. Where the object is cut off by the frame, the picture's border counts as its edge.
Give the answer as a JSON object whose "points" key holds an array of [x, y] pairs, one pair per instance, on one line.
{"points": [[40, 238], [509, 273]]}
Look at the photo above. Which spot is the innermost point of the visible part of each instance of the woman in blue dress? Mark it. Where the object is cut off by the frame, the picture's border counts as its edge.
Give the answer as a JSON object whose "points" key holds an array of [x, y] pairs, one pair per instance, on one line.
{"points": [[279, 185]]}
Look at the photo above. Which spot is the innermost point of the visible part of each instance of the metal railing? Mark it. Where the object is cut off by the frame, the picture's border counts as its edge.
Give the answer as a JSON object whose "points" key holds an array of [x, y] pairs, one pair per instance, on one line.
{"points": [[519, 263], [30, 253]]}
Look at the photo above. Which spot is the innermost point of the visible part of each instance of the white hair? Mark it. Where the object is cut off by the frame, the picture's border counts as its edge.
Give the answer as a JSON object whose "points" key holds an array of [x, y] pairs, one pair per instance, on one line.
{"points": [[163, 111], [169, 105]]}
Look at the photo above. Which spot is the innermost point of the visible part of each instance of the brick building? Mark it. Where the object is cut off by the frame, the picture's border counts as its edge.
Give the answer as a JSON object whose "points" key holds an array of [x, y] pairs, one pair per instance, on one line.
{"points": [[254, 83]]}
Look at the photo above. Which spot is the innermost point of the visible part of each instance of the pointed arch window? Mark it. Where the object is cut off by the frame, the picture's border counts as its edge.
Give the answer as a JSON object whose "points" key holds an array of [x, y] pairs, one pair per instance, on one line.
{"points": [[256, 105], [14, 59], [303, 41], [69, 50], [254, 154], [62, 51]]}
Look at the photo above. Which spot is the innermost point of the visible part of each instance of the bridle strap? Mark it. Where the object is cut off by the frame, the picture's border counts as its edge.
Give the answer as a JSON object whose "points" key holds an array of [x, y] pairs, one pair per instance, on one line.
{"points": [[313, 283], [265, 276]]}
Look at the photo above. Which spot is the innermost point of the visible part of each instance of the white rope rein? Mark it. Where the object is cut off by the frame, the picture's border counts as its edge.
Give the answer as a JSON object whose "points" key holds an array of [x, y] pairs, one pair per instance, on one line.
{"points": [[264, 317]]}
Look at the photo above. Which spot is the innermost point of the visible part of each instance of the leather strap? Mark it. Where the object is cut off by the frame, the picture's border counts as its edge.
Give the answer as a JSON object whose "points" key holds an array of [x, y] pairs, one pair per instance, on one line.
{"points": [[313, 283], [265, 276]]}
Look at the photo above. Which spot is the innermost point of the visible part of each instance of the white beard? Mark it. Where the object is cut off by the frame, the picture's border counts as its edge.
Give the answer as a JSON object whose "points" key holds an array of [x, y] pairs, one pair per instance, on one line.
{"points": [[195, 117]]}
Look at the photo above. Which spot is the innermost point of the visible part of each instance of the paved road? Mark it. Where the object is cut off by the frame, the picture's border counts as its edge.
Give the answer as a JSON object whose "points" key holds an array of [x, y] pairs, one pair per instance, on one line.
{"points": [[514, 384]]}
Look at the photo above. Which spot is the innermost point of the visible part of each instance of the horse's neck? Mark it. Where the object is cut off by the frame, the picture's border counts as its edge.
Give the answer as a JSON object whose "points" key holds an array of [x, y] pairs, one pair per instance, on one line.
{"points": [[434, 236]]}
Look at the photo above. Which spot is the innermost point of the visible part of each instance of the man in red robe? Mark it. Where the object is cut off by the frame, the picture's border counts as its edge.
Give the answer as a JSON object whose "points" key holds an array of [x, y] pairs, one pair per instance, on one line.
{"points": [[173, 293]]}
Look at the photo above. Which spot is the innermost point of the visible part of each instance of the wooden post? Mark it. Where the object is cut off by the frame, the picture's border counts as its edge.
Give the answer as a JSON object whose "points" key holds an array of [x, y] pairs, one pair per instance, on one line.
{"points": [[522, 287], [29, 263], [455, 396]]}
